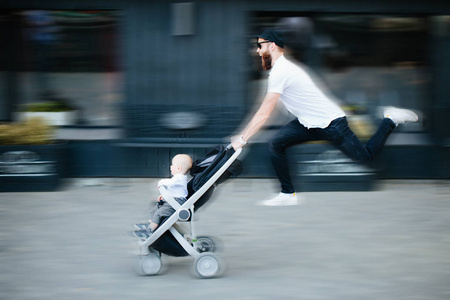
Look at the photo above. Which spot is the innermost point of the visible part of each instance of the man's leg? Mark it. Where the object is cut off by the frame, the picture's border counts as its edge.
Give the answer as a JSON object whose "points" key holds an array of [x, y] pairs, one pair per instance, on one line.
{"points": [[343, 138], [289, 135]]}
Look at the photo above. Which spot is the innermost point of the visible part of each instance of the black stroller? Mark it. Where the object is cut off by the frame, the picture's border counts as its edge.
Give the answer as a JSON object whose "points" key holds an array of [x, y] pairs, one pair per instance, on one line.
{"points": [[171, 238]]}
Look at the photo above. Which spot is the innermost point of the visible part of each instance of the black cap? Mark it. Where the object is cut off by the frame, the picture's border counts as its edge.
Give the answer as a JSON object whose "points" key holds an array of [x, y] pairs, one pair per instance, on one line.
{"points": [[273, 36]]}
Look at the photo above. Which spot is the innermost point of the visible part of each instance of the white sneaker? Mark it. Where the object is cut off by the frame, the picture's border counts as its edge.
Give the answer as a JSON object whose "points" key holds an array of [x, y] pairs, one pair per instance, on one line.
{"points": [[282, 200], [399, 115]]}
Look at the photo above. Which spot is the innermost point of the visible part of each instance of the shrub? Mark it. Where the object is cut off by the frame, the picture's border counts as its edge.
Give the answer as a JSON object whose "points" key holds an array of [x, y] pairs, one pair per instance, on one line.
{"points": [[48, 106], [33, 131]]}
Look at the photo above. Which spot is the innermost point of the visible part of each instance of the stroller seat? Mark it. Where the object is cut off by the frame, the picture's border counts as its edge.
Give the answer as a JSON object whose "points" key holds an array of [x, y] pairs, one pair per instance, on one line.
{"points": [[171, 238]]}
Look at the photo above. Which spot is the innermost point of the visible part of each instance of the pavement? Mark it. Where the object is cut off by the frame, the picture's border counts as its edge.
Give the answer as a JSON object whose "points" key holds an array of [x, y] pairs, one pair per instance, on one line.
{"points": [[76, 243]]}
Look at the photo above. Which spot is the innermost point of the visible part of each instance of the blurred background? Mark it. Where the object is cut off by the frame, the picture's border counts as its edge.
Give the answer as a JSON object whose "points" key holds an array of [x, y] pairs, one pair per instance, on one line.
{"points": [[146, 80]]}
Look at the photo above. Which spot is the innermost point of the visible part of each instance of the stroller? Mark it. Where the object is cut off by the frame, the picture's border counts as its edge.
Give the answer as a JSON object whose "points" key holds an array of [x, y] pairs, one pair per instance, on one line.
{"points": [[173, 239]]}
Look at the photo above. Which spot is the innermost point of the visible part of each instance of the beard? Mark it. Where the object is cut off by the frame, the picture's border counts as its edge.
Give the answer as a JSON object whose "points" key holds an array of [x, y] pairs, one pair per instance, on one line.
{"points": [[266, 61]]}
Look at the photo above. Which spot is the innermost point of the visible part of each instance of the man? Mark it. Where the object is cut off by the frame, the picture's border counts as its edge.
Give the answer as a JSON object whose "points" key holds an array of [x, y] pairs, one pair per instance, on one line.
{"points": [[318, 118]]}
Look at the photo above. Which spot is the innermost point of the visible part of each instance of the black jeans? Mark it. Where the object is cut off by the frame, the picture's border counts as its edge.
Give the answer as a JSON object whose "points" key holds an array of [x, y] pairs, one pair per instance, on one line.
{"points": [[338, 133]]}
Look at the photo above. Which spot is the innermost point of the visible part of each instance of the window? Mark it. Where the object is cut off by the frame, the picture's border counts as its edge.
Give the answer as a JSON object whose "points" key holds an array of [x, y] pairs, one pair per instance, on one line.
{"points": [[72, 56]]}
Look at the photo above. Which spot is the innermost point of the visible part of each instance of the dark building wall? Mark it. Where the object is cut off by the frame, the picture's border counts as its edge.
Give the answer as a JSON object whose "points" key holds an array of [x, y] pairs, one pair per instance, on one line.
{"points": [[440, 62], [203, 67], [205, 72], [202, 73]]}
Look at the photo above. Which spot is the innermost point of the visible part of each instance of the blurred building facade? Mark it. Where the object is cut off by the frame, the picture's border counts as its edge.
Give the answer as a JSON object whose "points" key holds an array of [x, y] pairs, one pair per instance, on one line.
{"points": [[154, 78]]}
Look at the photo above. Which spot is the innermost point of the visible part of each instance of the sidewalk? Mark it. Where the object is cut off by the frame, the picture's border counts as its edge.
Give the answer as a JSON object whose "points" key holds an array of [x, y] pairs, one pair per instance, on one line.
{"points": [[392, 243]]}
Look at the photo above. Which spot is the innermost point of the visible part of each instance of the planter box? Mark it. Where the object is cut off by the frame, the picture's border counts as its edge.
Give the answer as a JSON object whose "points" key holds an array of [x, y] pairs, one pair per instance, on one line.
{"points": [[62, 118], [26, 168]]}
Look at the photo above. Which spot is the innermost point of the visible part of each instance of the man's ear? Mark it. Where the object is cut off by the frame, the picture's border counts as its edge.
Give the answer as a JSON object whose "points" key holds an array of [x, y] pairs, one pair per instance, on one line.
{"points": [[272, 47]]}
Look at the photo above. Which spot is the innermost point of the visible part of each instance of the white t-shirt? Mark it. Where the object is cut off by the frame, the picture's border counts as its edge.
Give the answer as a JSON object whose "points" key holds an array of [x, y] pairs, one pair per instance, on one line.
{"points": [[301, 96], [176, 186]]}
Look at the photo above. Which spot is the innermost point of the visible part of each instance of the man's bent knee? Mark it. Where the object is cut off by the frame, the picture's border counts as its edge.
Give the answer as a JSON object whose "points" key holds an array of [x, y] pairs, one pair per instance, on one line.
{"points": [[275, 147]]}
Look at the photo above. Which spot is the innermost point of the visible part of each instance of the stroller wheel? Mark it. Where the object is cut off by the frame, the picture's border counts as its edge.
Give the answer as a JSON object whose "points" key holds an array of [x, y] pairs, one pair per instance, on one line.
{"points": [[205, 244], [150, 264], [207, 265]]}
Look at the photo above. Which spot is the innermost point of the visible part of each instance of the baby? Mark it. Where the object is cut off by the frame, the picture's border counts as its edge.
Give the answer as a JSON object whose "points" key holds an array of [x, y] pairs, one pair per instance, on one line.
{"points": [[176, 187]]}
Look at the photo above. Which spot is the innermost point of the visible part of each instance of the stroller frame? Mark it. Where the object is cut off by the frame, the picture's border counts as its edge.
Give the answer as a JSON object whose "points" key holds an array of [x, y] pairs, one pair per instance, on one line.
{"points": [[206, 264]]}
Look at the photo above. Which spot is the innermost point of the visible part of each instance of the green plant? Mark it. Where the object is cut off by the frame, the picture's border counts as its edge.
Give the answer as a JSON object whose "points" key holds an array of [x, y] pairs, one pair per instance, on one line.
{"points": [[48, 106], [33, 131]]}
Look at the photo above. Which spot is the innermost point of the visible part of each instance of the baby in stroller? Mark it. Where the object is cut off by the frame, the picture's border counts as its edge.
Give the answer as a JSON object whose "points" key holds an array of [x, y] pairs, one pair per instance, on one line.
{"points": [[172, 237], [176, 187]]}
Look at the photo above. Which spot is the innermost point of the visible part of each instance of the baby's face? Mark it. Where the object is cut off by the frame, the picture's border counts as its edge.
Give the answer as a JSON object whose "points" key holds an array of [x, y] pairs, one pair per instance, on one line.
{"points": [[174, 168], [177, 165]]}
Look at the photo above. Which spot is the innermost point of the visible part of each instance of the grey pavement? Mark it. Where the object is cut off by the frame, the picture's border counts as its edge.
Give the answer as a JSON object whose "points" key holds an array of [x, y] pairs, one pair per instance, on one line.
{"points": [[391, 243]]}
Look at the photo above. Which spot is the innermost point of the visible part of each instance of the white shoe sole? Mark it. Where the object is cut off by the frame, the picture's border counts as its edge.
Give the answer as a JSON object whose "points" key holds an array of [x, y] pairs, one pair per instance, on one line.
{"points": [[265, 203], [413, 117]]}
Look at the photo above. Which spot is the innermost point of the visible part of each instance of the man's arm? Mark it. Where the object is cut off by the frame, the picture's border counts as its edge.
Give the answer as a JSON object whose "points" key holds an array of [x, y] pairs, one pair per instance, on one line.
{"points": [[258, 120]]}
